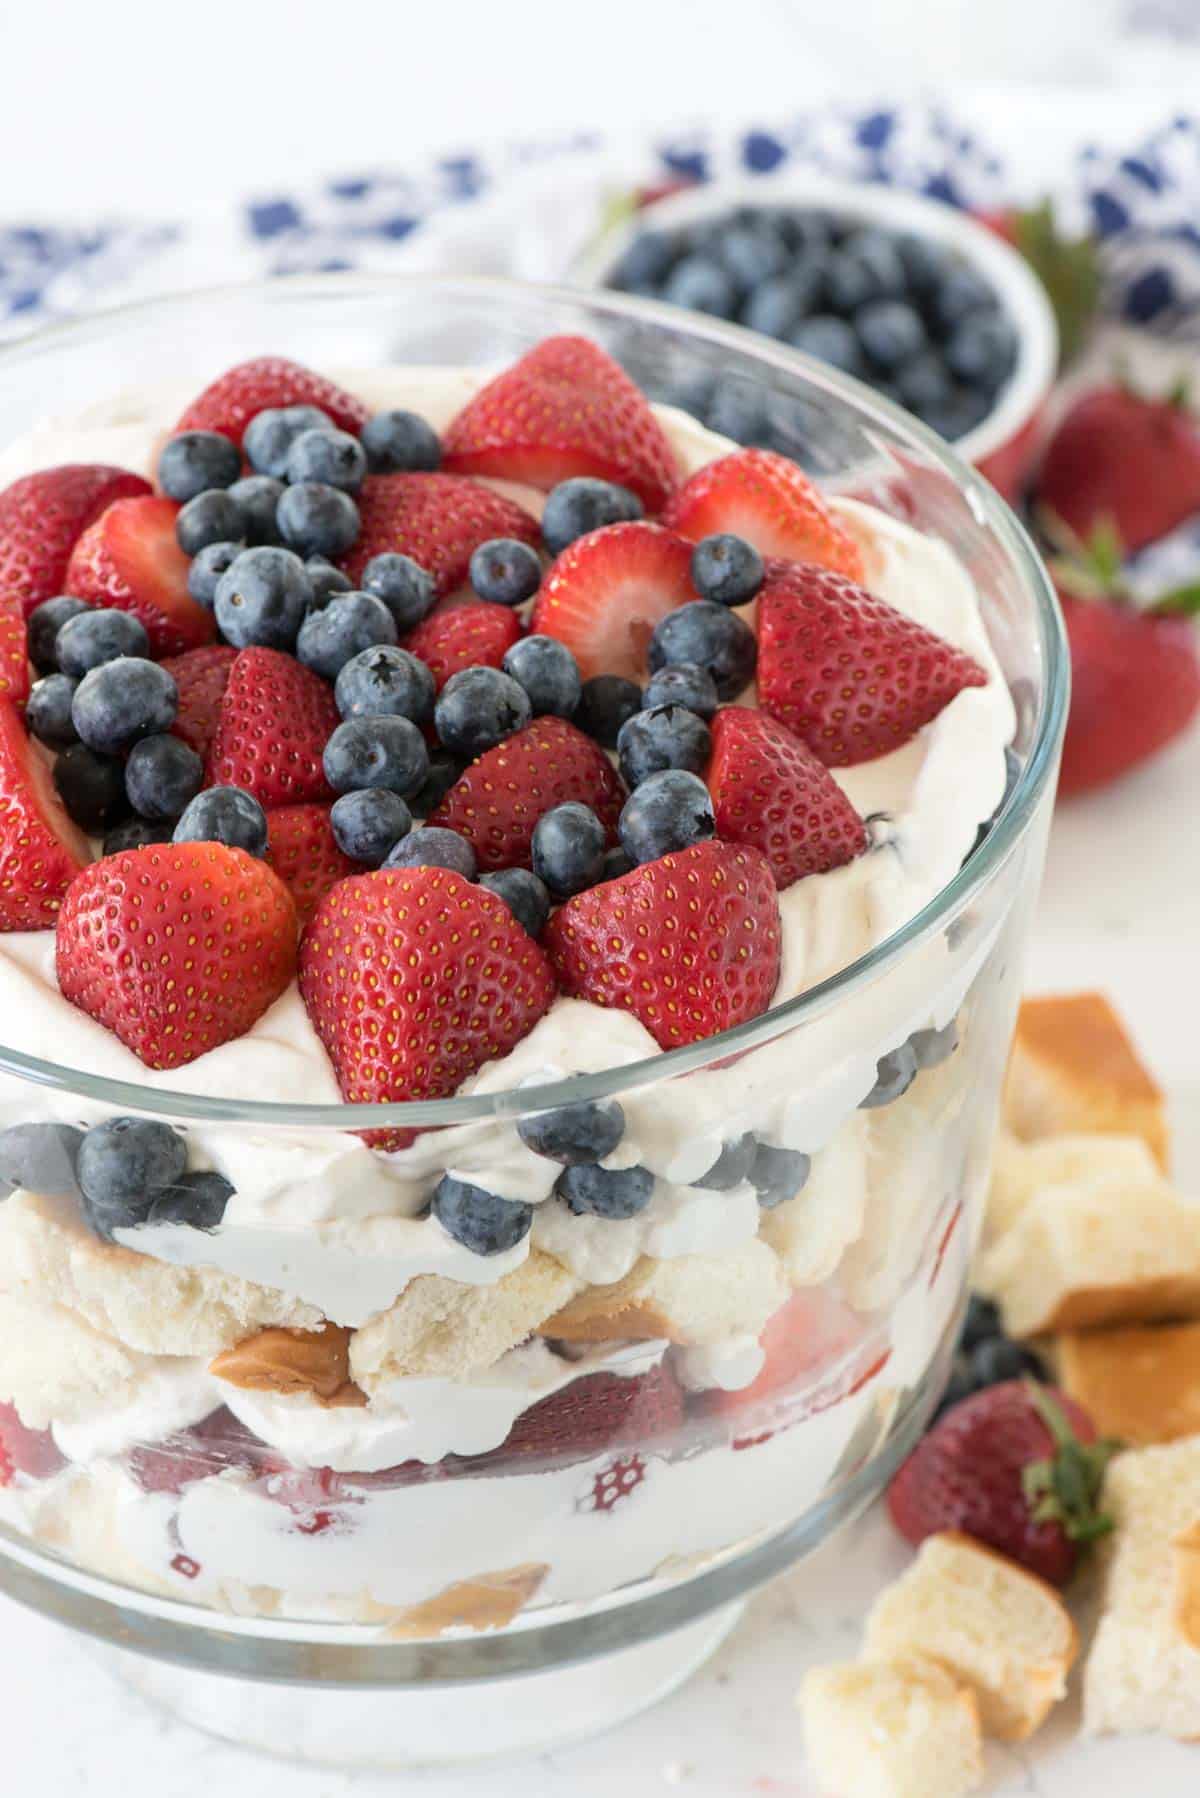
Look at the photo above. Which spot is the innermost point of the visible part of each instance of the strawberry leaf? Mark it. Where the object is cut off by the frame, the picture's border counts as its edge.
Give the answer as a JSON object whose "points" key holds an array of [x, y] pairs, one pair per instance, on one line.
{"points": [[1183, 602], [1067, 267], [1066, 1487]]}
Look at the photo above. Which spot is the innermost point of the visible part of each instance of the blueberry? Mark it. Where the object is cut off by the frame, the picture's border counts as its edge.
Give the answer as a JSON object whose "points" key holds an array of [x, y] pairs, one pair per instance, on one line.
{"points": [[830, 340], [732, 1165], [505, 571], [778, 305], [48, 711], [121, 701], [226, 815], [961, 1384], [212, 517], [924, 263], [483, 1222], [92, 787], [399, 442], [196, 461], [575, 1135], [866, 267], [270, 435], [435, 847], [617, 863], [932, 1047], [567, 850], [257, 498], [376, 752], [669, 736], [137, 833], [605, 1192], [162, 775], [262, 598], [894, 1074], [204, 575], [41, 1158], [524, 894], [327, 581], [646, 263], [368, 824], [477, 708], [406, 589], [727, 569], [348, 625], [702, 285], [385, 682], [684, 685], [669, 811], [924, 385], [45, 622], [94, 637], [981, 1322], [123, 1165], [777, 1175], [584, 504], [444, 771], [605, 702], [737, 409], [197, 1199], [317, 520], [891, 333], [692, 393], [959, 293], [997, 1359], [752, 252], [331, 458], [982, 350], [548, 672], [710, 636]]}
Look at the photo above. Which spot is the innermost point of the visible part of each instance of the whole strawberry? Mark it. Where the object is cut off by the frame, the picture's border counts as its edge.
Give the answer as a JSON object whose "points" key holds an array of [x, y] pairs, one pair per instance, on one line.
{"points": [[235, 397], [438, 519], [1016, 1466], [1125, 461]]}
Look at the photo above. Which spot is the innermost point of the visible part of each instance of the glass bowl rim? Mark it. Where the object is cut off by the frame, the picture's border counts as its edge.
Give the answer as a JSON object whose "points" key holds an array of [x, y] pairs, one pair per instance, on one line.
{"points": [[987, 508]]}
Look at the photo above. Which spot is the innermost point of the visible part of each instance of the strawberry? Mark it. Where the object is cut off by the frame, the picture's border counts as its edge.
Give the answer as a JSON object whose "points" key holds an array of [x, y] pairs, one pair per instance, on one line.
{"points": [[598, 1411], [464, 636], [437, 519], [14, 652], [33, 1453], [201, 676], [41, 850], [414, 978], [618, 1480], [302, 851], [219, 1441], [498, 800], [769, 791], [1018, 1467], [809, 1364], [176, 948], [765, 498], [233, 399], [566, 408], [43, 515], [1120, 459], [130, 559], [275, 720], [851, 676], [690, 944], [605, 593]]}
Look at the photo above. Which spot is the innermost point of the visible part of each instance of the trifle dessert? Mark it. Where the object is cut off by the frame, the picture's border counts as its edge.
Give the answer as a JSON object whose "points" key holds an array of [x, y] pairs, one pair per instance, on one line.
{"points": [[425, 796]]}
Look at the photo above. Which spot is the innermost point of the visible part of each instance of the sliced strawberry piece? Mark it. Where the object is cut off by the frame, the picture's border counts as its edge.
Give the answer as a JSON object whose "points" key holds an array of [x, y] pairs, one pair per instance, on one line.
{"points": [[465, 636], [766, 499], [41, 850], [769, 791], [235, 397], [614, 1483], [605, 593], [438, 519], [130, 559], [201, 676], [275, 720], [176, 948], [497, 801], [689, 944], [808, 1346], [14, 652], [302, 851], [851, 676], [42, 517], [595, 1412], [33, 1453], [218, 1442], [566, 408]]}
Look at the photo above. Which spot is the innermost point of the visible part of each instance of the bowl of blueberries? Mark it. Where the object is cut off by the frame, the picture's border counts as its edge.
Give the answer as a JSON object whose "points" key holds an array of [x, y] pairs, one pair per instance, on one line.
{"points": [[911, 295]]}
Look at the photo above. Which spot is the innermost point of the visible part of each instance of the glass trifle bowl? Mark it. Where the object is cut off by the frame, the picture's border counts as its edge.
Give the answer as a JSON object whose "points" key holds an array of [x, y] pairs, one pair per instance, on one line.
{"points": [[329, 1475]]}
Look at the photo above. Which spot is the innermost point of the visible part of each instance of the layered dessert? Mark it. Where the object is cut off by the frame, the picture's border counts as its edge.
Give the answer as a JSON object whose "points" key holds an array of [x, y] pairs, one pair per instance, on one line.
{"points": [[439, 735]]}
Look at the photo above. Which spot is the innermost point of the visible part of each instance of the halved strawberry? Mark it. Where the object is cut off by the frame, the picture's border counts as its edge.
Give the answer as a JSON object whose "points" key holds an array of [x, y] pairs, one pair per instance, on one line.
{"points": [[689, 944], [43, 515], [22, 1450], [566, 408], [233, 399], [437, 519], [41, 850], [765, 498], [130, 559], [770, 791], [14, 652], [845, 671], [275, 720], [413, 978], [605, 593], [464, 636], [497, 801], [595, 1412], [302, 851], [201, 676], [176, 948], [811, 1332]]}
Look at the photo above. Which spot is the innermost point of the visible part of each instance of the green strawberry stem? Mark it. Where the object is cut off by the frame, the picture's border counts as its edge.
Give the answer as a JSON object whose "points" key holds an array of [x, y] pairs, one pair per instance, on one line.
{"points": [[1066, 1487], [1067, 267]]}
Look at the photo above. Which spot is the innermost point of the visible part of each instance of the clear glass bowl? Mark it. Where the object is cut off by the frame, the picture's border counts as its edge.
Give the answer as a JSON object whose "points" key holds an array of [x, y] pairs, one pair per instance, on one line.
{"points": [[640, 1506]]}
